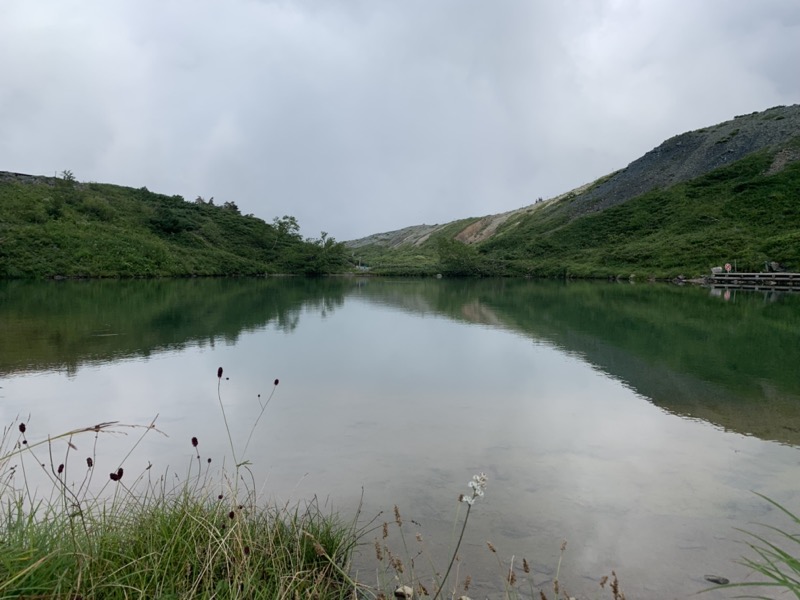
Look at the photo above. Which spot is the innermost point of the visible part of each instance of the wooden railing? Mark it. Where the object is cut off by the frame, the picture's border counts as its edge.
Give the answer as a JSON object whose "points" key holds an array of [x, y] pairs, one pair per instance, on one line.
{"points": [[757, 281]]}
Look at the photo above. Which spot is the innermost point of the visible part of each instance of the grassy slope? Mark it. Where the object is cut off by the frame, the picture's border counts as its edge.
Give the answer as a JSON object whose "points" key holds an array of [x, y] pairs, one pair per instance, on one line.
{"points": [[102, 230], [734, 214]]}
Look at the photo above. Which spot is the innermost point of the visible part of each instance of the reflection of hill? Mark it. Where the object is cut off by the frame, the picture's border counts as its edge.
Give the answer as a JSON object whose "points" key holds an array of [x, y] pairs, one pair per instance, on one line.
{"points": [[733, 364], [63, 325]]}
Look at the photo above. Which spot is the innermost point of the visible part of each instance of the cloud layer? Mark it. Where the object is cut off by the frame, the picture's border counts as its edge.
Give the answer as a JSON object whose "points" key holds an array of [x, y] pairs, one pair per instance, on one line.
{"points": [[360, 116]]}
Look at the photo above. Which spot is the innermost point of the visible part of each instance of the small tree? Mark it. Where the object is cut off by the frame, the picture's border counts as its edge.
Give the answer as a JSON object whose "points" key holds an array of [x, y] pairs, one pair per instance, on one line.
{"points": [[66, 190], [287, 230]]}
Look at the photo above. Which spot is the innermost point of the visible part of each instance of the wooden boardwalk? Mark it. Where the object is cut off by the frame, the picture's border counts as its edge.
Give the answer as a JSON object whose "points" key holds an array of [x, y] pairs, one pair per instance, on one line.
{"points": [[789, 282]]}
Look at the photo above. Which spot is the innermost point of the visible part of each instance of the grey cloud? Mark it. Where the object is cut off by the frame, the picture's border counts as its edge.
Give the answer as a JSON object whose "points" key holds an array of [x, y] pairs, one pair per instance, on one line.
{"points": [[359, 117]]}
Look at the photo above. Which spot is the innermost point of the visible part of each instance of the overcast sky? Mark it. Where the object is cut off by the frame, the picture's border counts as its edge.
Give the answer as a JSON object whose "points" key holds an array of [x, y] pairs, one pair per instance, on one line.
{"points": [[364, 116]]}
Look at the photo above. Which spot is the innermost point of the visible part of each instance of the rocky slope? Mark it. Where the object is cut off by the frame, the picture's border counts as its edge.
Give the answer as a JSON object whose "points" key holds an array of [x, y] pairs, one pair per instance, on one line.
{"points": [[695, 153]]}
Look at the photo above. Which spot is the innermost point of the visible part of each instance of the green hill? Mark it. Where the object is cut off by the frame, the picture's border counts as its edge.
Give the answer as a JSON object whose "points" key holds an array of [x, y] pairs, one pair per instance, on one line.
{"points": [[59, 227], [726, 193]]}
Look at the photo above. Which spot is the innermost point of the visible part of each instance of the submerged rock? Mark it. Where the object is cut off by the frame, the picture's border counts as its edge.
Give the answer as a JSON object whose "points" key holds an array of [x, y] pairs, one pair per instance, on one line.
{"points": [[404, 592]]}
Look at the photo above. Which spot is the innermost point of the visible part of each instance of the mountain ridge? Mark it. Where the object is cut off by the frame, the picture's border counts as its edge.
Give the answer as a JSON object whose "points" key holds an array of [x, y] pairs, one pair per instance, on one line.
{"points": [[677, 160]]}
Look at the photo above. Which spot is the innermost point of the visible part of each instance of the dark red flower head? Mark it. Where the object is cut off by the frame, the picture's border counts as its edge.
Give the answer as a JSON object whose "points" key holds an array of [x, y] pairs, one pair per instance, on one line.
{"points": [[194, 442], [219, 373]]}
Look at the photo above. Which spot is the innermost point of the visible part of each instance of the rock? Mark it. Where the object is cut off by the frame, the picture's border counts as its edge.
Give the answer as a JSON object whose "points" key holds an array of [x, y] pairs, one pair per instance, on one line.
{"points": [[717, 579], [404, 592]]}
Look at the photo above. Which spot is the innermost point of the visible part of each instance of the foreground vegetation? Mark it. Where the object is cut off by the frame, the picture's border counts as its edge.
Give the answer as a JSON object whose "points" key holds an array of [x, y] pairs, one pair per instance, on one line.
{"points": [[119, 535], [201, 537], [52, 227]]}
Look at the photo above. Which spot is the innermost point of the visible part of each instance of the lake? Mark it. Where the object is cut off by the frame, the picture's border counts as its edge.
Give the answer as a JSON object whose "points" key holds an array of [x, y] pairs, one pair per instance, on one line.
{"points": [[636, 422]]}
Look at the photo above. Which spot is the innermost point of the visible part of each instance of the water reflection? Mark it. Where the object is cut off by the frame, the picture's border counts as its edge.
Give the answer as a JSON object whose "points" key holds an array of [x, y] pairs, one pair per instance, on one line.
{"points": [[732, 365], [65, 325], [406, 389]]}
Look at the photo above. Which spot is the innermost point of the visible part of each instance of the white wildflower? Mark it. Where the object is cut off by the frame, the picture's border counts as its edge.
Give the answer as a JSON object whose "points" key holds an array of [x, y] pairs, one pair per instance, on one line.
{"points": [[478, 486]]}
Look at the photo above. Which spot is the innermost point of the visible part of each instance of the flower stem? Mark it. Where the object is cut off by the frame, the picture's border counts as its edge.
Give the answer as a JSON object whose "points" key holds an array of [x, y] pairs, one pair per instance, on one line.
{"points": [[455, 553], [225, 419]]}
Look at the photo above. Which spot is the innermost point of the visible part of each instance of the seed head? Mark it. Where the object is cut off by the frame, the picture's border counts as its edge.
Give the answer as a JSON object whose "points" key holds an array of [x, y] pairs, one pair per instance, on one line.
{"points": [[219, 373], [231, 514], [277, 381], [491, 547], [397, 518], [194, 442], [60, 469], [525, 566], [22, 428], [385, 530], [398, 565], [247, 550], [89, 462]]}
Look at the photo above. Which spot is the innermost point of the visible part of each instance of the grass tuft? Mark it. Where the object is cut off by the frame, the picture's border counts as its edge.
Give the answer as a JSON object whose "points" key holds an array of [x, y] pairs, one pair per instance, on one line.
{"points": [[148, 537]]}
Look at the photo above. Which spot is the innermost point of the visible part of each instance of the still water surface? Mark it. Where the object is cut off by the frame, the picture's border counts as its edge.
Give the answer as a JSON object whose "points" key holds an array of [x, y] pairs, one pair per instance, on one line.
{"points": [[635, 422]]}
